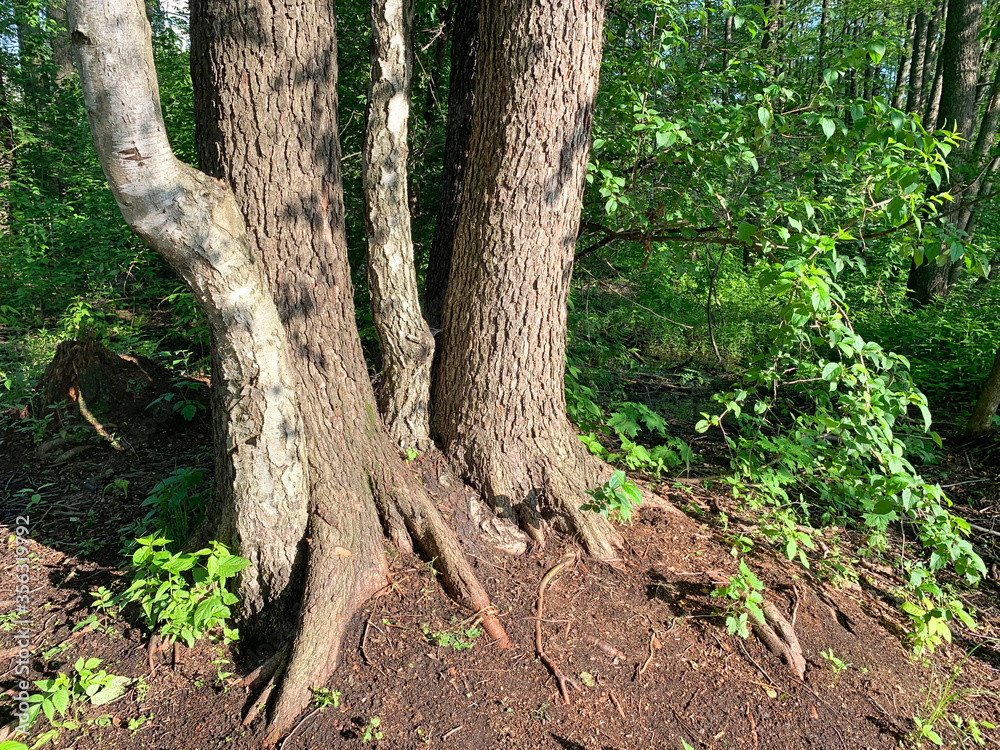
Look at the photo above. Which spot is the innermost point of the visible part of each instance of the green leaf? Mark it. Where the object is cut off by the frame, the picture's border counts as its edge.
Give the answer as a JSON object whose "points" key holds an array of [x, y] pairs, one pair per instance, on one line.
{"points": [[112, 691], [746, 232], [829, 127], [764, 115]]}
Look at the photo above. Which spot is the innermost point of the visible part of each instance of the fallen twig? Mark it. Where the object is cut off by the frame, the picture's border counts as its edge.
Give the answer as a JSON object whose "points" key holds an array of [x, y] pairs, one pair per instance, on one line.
{"points": [[561, 680]]}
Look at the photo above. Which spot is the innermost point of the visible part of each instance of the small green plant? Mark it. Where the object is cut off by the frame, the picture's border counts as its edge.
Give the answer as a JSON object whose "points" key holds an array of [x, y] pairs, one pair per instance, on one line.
{"points": [[616, 499], [937, 710], [136, 723], [119, 485], [219, 662], [410, 454], [181, 401], [372, 732], [176, 507], [459, 640], [744, 596], [183, 595], [324, 698], [68, 693], [837, 664]]}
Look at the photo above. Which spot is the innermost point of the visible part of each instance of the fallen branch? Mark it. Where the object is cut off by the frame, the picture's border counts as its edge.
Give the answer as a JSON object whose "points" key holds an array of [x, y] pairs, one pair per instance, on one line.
{"points": [[786, 646], [561, 680]]}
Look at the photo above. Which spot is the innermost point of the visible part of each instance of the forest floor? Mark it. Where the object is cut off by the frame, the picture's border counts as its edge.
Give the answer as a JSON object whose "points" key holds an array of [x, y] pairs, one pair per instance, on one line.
{"points": [[653, 664]]}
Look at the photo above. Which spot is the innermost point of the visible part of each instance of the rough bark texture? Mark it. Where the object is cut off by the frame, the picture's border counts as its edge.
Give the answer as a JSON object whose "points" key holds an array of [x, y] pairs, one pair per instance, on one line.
{"points": [[404, 338], [903, 66], [461, 96], [917, 64], [981, 421], [960, 69], [192, 220], [960, 74], [499, 395], [265, 79]]}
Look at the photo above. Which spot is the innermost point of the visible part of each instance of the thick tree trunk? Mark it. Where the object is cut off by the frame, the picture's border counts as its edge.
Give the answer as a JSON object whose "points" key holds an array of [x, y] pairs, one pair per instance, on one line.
{"points": [[192, 220], [404, 338], [461, 96], [265, 79], [981, 421], [499, 397]]}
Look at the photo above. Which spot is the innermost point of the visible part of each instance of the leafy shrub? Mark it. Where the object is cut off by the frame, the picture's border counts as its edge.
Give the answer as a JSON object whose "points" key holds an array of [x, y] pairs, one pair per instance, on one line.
{"points": [[183, 595], [616, 499]]}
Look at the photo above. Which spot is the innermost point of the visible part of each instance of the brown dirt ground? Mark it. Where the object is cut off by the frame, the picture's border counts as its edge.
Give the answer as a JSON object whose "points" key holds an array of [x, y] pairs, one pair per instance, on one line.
{"points": [[601, 626]]}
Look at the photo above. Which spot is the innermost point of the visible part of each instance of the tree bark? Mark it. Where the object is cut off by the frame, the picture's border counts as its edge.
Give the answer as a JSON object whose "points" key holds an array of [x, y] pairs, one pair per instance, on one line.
{"points": [[960, 74], [404, 338], [930, 57], [461, 97], [918, 57], [192, 220], [903, 66], [61, 51], [499, 395], [265, 79], [981, 421]]}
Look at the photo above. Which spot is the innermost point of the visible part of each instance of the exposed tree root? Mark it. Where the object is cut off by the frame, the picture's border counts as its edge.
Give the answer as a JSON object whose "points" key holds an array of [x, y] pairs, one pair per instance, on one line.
{"points": [[340, 580], [561, 680], [779, 636], [535, 482], [346, 567]]}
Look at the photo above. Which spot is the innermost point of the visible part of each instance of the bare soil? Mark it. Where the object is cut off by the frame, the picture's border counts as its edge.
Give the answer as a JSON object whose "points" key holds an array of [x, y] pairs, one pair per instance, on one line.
{"points": [[643, 643]]}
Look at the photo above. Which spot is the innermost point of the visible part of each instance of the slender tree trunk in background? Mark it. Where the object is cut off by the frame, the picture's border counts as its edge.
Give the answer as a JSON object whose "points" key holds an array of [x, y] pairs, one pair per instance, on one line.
{"points": [[6, 151], [62, 53], [960, 74], [728, 36], [824, 19], [934, 100], [917, 66], [499, 394], [192, 220], [405, 340], [987, 69], [930, 57], [903, 66], [981, 421], [706, 28], [461, 97], [265, 78]]}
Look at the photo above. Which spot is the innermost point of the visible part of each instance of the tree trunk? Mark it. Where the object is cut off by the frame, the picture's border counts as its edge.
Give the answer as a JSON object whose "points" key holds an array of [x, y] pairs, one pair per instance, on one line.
{"points": [[917, 66], [461, 96], [265, 79], [61, 51], [405, 340], [500, 407], [193, 222], [981, 421], [960, 74], [930, 57], [903, 66]]}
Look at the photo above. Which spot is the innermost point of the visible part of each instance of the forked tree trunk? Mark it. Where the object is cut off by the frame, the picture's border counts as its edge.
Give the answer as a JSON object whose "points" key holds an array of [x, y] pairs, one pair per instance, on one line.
{"points": [[461, 95], [500, 407], [406, 342], [981, 421], [192, 220], [265, 76]]}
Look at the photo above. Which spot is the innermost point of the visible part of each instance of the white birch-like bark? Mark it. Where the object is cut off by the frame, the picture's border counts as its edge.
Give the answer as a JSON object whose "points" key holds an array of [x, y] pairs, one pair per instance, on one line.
{"points": [[405, 339], [192, 220]]}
